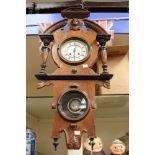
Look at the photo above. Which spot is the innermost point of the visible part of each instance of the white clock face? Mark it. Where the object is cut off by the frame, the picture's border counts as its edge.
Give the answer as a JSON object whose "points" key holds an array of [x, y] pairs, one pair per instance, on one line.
{"points": [[74, 51]]}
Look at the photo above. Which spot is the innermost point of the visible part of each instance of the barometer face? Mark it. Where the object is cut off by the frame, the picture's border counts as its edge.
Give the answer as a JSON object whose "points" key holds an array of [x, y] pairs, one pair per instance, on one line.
{"points": [[74, 51], [73, 105]]}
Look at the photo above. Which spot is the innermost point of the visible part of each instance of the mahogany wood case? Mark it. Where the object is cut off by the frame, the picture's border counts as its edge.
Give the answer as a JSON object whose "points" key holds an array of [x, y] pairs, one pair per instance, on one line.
{"points": [[73, 122]]}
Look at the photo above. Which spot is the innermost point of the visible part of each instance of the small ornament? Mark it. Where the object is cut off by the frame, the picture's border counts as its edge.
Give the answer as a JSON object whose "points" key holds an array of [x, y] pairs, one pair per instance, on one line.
{"points": [[97, 147], [118, 148], [125, 140], [75, 24]]}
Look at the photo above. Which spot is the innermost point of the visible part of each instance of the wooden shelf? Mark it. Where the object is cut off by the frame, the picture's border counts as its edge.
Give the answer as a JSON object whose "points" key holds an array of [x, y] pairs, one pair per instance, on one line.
{"points": [[117, 50]]}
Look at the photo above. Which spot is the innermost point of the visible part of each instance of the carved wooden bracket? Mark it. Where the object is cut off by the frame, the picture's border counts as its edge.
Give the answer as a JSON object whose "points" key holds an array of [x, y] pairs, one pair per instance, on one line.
{"points": [[42, 84]]}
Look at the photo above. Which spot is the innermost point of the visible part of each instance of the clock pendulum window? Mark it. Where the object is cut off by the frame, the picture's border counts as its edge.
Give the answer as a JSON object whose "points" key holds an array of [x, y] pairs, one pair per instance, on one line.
{"points": [[74, 51]]}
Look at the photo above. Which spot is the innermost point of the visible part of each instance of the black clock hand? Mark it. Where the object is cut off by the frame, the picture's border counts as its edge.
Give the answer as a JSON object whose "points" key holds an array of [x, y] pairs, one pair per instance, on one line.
{"points": [[74, 52]]}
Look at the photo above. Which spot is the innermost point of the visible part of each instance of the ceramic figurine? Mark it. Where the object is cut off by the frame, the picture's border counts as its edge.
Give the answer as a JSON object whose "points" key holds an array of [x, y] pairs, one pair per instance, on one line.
{"points": [[118, 148], [125, 140], [97, 148]]}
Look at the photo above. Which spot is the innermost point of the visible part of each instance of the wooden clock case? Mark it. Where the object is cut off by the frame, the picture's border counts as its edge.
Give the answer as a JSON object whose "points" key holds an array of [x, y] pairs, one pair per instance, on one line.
{"points": [[78, 77]]}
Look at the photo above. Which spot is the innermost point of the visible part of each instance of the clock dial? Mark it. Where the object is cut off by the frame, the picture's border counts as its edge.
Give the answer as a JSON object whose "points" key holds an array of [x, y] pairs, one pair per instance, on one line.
{"points": [[74, 51]]}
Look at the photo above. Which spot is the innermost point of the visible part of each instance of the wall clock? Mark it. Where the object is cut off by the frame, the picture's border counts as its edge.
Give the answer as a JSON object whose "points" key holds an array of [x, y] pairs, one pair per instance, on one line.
{"points": [[75, 44]]}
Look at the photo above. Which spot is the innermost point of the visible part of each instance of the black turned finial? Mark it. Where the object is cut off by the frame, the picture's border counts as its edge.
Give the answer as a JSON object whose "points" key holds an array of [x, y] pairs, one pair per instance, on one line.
{"points": [[55, 143], [104, 67]]}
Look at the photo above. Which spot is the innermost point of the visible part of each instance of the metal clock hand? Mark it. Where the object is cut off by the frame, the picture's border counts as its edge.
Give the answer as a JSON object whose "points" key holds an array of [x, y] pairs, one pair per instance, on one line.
{"points": [[74, 52]]}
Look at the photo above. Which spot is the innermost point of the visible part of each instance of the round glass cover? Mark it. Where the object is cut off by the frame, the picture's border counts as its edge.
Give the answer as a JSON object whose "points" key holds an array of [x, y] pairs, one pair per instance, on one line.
{"points": [[73, 105]]}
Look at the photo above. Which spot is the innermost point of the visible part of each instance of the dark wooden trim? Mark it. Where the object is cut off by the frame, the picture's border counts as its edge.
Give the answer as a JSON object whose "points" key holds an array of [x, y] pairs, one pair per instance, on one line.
{"points": [[107, 6], [49, 7], [101, 77], [75, 12], [57, 7]]}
